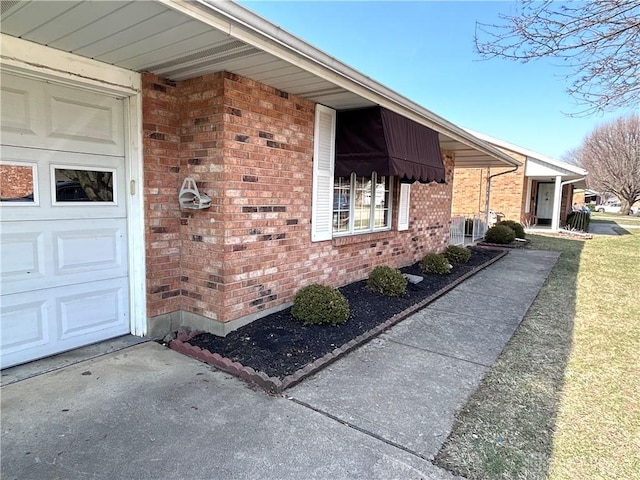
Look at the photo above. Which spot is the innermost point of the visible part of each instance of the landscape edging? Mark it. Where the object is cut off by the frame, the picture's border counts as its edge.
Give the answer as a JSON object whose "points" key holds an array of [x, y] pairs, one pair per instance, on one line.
{"points": [[276, 385]]}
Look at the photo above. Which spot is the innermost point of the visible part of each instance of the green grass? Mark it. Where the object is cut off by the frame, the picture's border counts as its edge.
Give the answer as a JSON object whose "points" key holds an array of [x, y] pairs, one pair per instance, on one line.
{"points": [[615, 218], [563, 399]]}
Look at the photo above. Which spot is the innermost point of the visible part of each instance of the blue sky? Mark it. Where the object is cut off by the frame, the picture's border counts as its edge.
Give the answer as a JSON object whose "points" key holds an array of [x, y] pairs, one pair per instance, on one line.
{"points": [[424, 50]]}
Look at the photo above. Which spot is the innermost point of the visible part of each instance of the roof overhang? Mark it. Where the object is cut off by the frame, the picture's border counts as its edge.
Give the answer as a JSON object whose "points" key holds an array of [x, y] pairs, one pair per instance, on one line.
{"points": [[537, 164], [178, 40]]}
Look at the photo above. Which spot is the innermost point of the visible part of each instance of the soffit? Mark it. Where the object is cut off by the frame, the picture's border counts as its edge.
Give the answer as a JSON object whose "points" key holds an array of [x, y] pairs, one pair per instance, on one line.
{"points": [[181, 40]]}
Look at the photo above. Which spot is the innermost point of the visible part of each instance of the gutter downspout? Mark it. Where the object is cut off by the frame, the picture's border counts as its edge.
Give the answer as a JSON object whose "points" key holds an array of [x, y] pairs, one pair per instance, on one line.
{"points": [[488, 191]]}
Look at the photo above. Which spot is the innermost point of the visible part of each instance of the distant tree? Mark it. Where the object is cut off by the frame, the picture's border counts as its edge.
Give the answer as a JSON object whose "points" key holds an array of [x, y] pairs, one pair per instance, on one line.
{"points": [[611, 154], [597, 40]]}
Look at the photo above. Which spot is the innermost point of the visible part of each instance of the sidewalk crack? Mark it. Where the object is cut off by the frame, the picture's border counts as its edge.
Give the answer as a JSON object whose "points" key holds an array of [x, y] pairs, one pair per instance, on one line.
{"points": [[360, 429], [453, 357]]}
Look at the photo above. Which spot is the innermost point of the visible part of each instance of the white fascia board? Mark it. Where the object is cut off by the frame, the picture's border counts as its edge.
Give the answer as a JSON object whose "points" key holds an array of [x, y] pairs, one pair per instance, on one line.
{"points": [[575, 170], [535, 167], [39, 61], [242, 24]]}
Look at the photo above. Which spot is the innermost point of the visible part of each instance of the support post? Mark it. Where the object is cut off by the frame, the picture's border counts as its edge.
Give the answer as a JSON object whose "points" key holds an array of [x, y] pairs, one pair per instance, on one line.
{"points": [[557, 202]]}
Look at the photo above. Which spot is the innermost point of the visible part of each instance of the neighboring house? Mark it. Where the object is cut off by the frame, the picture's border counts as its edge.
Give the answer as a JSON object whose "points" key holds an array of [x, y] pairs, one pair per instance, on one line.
{"points": [[583, 196], [283, 142], [539, 194]]}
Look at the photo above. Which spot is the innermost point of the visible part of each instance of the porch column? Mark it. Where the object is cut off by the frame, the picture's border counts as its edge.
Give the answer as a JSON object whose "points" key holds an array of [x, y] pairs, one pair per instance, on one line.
{"points": [[557, 202]]}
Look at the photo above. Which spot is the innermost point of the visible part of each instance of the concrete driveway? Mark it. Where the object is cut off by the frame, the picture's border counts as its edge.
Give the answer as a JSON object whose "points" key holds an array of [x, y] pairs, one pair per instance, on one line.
{"points": [[382, 412]]}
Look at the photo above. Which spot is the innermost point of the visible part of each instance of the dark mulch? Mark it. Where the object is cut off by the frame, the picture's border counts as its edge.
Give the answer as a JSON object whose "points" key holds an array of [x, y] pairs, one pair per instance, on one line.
{"points": [[279, 345]]}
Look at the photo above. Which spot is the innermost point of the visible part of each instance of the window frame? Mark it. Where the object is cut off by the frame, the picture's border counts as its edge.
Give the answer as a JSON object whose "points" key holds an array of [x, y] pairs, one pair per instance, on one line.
{"points": [[87, 168], [351, 231], [34, 179]]}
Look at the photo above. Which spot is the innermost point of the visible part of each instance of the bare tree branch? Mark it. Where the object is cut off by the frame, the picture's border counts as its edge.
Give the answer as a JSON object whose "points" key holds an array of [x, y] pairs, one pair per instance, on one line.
{"points": [[611, 154], [597, 40]]}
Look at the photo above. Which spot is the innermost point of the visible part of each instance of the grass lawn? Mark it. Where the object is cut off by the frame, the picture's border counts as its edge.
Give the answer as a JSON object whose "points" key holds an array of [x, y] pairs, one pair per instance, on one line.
{"points": [[563, 399], [633, 220]]}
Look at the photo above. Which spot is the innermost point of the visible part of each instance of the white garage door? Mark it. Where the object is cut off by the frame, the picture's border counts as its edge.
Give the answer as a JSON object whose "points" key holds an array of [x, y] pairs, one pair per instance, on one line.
{"points": [[62, 219]]}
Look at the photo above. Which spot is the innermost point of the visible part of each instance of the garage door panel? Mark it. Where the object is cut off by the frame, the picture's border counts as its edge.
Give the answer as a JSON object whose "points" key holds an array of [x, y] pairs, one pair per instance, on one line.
{"points": [[49, 254], [56, 117], [42, 323], [40, 167], [17, 115], [89, 250], [22, 256], [24, 324], [93, 308], [90, 123]]}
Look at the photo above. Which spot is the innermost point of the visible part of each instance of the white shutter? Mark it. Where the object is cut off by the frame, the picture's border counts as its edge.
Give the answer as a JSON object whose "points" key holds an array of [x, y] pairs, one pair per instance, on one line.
{"points": [[403, 208], [323, 161]]}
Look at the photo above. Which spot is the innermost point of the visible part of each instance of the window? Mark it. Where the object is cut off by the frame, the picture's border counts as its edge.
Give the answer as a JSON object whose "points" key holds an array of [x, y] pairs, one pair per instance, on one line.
{"points": [[361, 204], [80, 184], [356, 204], [18, 183]]}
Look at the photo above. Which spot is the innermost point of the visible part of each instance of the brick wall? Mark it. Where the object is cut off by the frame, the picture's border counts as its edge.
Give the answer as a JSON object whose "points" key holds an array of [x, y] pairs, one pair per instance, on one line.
{"points": [[250, 148], [15, 181], [578, 197], [161, 143], [508, 191]]}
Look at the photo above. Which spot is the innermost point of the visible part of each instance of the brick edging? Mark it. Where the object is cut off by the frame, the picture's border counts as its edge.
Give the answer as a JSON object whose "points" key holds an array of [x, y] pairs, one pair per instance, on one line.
{"points": [[275, 385]]}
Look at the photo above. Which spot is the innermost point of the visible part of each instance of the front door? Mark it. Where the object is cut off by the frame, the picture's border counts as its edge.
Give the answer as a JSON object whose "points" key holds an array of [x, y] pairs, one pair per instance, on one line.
{"points": [[544, 203], [63, 219]]}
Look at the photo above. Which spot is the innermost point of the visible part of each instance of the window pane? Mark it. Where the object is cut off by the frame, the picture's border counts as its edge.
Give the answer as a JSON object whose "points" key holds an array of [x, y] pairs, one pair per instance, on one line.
{"points": [[382, 204], [341, 196], [362, 204], [17, 184], [83, 185]]}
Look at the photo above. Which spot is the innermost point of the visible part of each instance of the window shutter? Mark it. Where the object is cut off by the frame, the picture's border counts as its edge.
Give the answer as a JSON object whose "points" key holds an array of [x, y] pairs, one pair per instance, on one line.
{"points": [[403, 208], [323, 163]]}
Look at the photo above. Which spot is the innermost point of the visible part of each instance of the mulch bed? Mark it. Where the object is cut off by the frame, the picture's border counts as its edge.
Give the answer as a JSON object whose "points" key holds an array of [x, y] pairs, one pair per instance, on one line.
{"points": [[277, 351]]}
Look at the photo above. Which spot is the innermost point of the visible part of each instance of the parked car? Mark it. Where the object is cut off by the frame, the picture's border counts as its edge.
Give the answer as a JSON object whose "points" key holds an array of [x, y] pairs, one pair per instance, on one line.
{"points": [[613, 207]]}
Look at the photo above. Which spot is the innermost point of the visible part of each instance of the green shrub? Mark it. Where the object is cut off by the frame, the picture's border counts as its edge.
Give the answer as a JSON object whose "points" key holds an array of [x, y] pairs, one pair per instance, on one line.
{"points": [[515, 226], [500, 234], [578, 221], [387, 281], [435, 263], [317, 304], [456, 254]]}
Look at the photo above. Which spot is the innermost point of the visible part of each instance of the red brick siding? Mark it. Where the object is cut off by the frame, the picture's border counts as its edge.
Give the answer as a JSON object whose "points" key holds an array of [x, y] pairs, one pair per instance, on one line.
{"points": [[566, 203], [578, 197], [161, 142], [15, 181], [508, 191], [250, 148]]}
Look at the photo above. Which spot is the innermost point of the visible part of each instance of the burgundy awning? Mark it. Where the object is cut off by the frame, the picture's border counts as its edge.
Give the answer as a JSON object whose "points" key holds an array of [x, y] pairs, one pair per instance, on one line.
{"points": [[378, 140]]}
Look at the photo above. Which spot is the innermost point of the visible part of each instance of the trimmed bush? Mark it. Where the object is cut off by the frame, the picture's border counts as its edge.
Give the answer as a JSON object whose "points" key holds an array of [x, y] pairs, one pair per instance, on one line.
{"points": [[387, 281], [515, 226], [435, 263], [500, 234], [456, 254], [318, 304], [578, 221]]}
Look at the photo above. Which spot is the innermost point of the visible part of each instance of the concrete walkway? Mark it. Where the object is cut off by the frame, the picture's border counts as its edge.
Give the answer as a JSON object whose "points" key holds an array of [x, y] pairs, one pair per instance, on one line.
{"points": [[382, 412]]}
